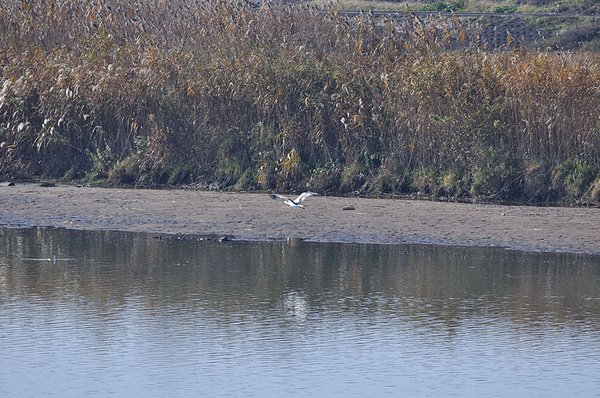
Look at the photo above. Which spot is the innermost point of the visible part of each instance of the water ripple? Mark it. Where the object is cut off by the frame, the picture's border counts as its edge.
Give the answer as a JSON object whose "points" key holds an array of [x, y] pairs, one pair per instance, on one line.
{"points": [[272, 320]]}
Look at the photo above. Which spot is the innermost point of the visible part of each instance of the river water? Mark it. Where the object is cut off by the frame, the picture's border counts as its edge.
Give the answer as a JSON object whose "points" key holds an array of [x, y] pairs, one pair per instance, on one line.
{"points": [[105, 314]]}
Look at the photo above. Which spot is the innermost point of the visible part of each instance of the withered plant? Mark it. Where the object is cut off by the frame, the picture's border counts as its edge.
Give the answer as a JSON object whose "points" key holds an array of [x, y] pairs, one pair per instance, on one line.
{"points": [[174, 92]]}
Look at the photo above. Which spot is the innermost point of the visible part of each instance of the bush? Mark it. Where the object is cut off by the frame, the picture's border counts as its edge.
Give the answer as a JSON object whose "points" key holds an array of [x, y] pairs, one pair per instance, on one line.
{"points": [[573, 178], [537, 183], [445, 6], [504, 9]]}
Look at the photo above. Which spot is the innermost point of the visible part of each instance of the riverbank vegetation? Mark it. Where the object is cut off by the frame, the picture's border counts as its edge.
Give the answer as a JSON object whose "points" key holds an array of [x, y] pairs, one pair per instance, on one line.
{"points": [[225, 95]]}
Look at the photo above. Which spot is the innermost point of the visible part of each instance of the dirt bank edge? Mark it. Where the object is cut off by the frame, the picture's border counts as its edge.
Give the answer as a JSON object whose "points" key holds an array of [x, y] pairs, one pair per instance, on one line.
{"points": [[250, 216]]}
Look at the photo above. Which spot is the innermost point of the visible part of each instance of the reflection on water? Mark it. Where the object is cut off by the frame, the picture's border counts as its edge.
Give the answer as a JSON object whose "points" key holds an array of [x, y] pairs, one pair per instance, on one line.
{"points": [[117, 314]]}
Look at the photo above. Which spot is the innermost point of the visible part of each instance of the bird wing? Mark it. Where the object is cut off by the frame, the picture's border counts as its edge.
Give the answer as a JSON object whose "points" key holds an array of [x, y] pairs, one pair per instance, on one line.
{"points": [[276, 196], [305, 195]]}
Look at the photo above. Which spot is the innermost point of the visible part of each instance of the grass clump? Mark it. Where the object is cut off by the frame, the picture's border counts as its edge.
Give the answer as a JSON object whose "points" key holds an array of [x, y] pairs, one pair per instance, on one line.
{"points": [[573, 178], [594, 192], [537, 185], [353, 179]]}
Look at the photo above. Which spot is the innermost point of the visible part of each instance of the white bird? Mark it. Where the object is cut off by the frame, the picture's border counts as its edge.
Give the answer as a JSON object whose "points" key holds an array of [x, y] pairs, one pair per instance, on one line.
{"points": [[298, 202]]}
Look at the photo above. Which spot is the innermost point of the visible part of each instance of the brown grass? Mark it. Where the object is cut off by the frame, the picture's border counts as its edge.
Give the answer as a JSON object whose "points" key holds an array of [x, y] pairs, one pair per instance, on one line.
{"points": [[161, 92]]}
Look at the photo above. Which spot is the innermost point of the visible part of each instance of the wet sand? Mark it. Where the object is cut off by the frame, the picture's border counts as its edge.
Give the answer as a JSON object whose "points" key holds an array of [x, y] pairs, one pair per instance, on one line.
{"points": [[251, 216]]}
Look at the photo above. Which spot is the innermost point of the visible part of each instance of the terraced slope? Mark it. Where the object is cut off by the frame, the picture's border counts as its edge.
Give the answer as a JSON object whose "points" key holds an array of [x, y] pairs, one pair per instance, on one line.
{"points": [[544, 24]]}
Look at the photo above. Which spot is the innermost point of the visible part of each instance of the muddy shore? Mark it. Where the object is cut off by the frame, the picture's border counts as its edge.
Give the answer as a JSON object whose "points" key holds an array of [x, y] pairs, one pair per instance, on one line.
{"points": [[251, 216]]}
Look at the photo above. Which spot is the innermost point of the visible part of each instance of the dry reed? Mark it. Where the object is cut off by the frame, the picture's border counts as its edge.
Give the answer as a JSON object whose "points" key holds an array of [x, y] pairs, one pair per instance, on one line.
{"points": [[175, 92]]}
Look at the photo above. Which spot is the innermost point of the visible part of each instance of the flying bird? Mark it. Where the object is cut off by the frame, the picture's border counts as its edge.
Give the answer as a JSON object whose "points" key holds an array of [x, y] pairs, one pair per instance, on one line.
{"points": [[298, 202]]}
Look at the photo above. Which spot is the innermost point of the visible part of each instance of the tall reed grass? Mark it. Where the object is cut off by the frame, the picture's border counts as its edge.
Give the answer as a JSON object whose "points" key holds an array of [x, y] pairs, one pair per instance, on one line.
{"points": [[181, 92]]}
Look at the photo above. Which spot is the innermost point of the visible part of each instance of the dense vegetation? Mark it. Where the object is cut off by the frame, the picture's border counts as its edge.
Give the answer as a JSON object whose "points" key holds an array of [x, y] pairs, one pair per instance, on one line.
{"points": [[194, 92]]}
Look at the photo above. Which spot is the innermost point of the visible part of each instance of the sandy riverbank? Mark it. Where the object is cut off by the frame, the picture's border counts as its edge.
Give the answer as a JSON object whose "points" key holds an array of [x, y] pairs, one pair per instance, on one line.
{"points": [[255, 217]]}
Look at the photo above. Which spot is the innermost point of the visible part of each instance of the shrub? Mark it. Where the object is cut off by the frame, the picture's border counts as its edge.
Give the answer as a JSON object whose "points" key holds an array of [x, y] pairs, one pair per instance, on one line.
{"points": [[573, 178], [537, 183]]}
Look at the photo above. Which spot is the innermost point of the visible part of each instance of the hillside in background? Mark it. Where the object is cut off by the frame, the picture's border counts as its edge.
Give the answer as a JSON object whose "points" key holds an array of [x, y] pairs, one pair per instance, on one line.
{"points": [[558, 24], [567, 7]]}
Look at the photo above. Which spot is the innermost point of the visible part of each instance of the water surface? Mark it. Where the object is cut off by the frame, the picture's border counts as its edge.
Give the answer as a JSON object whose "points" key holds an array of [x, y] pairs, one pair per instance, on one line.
{"points": [[100, 314]]}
